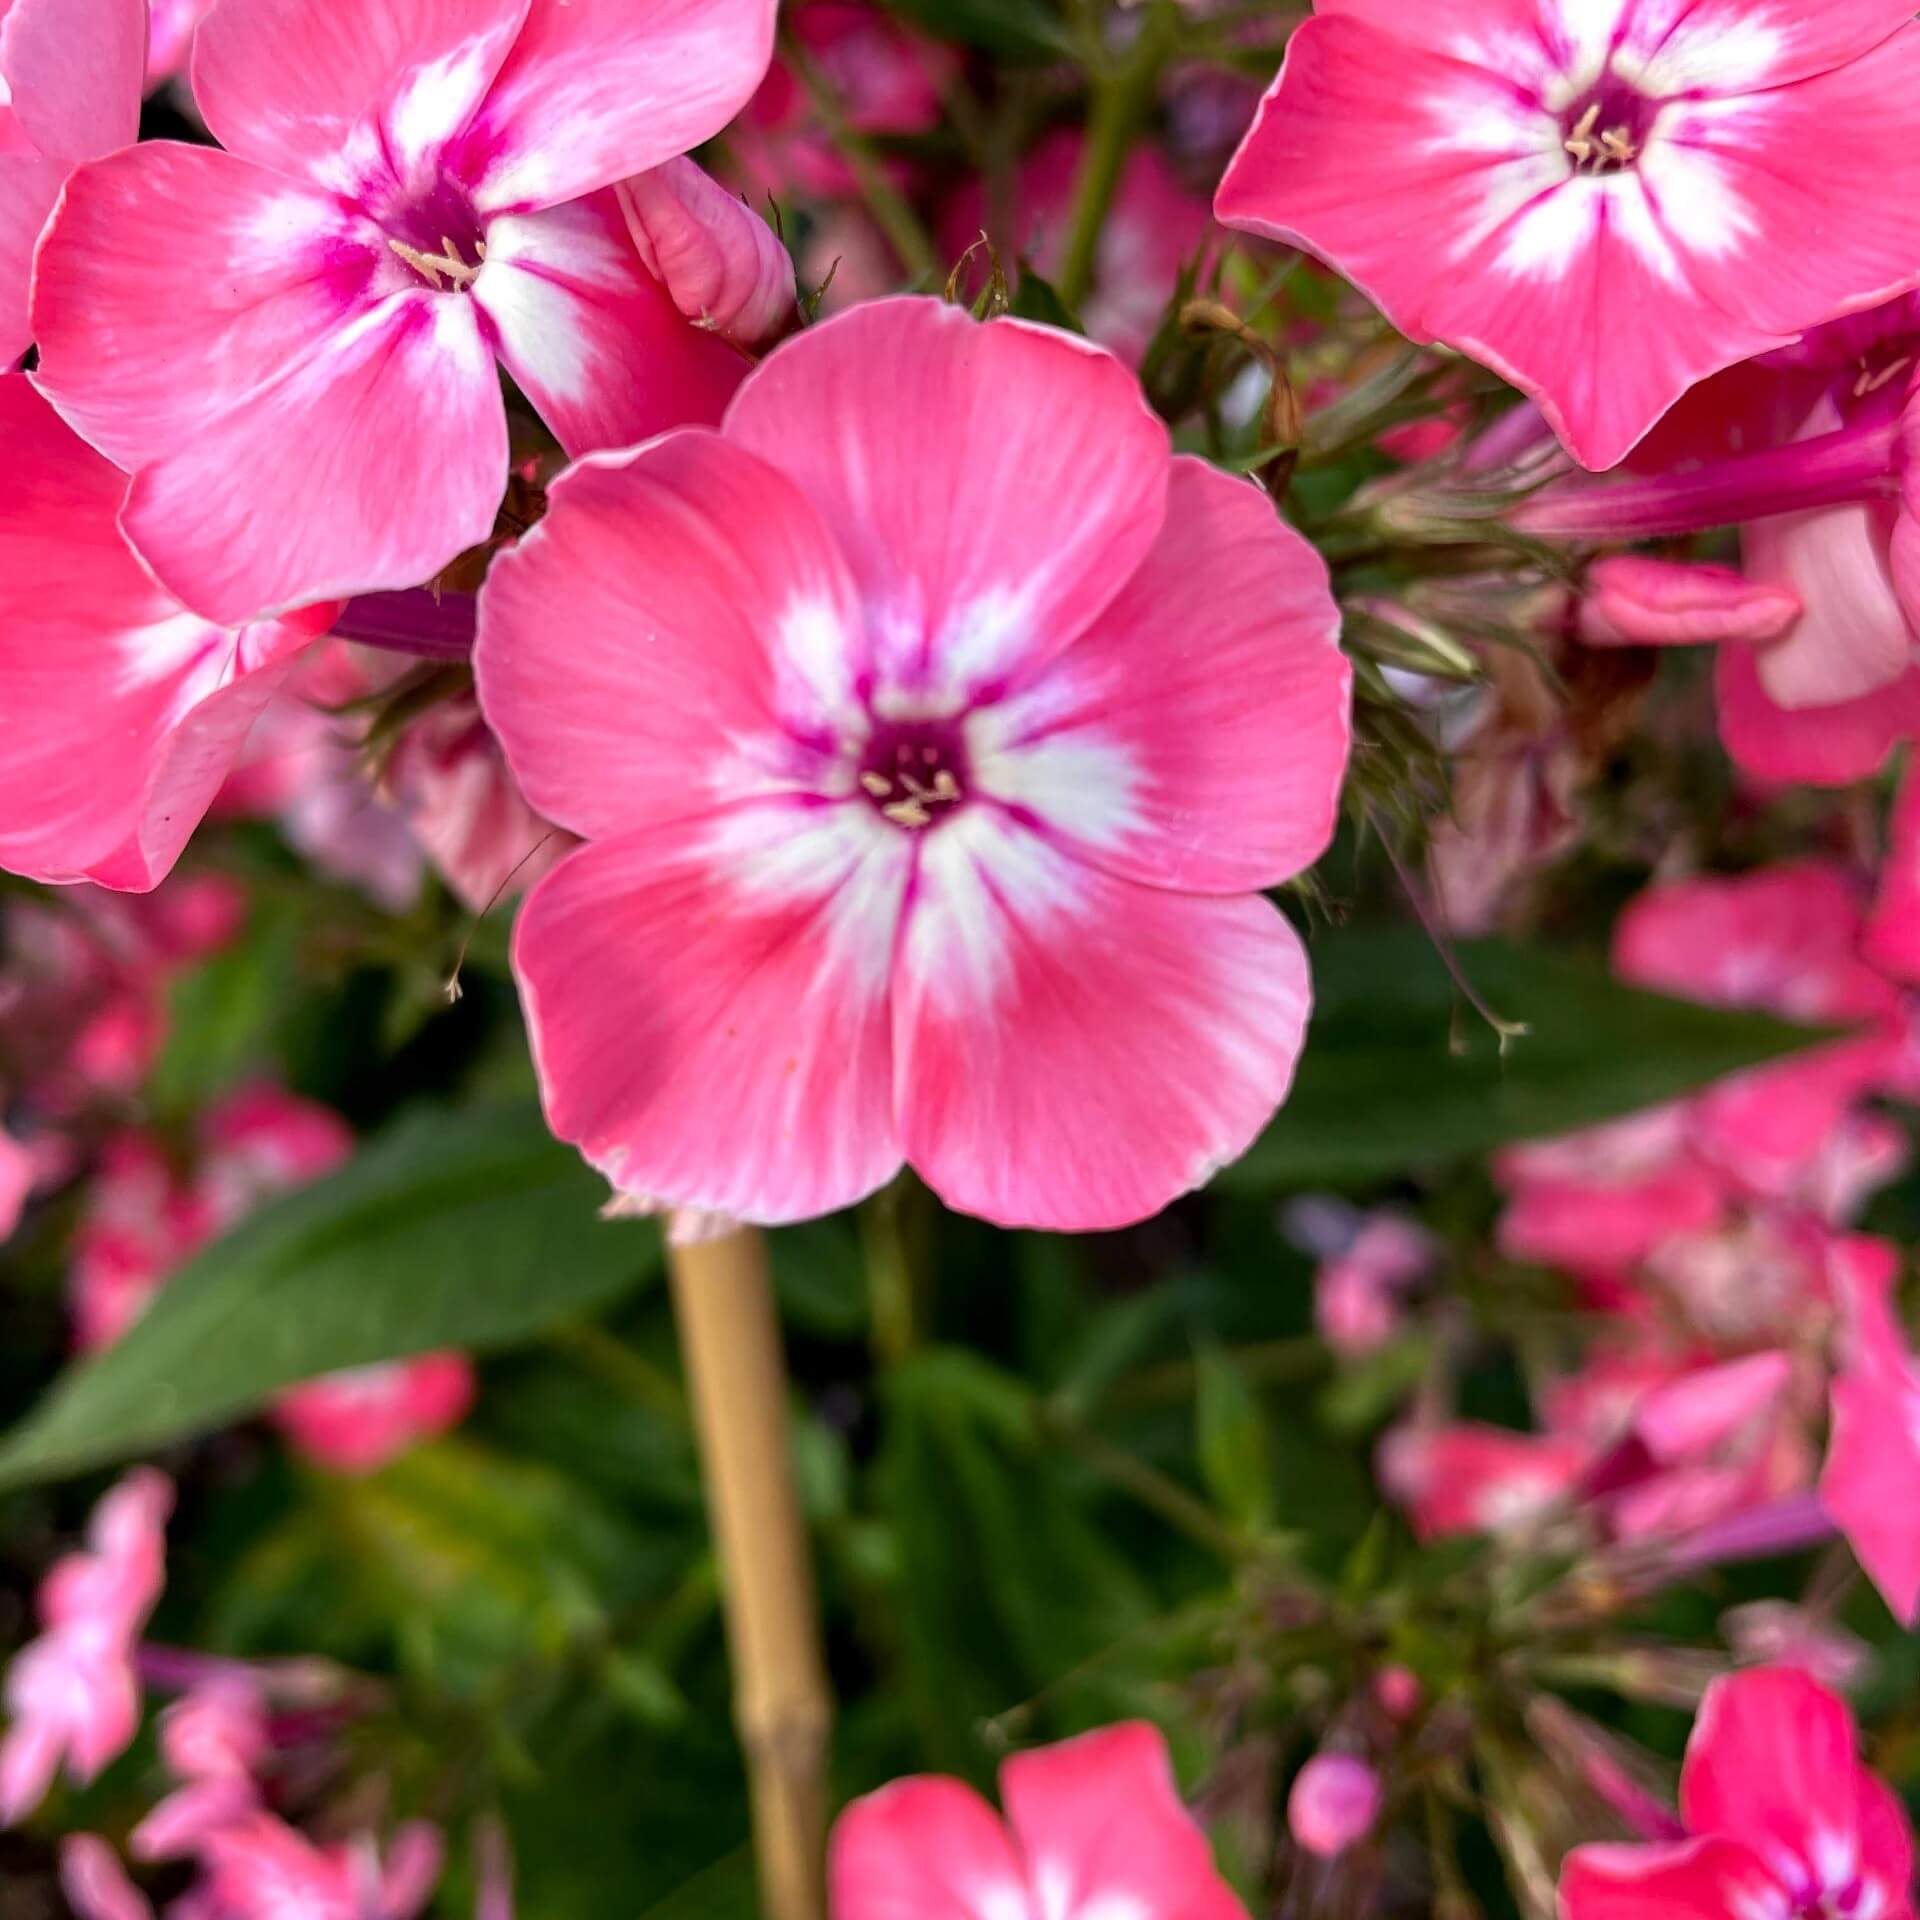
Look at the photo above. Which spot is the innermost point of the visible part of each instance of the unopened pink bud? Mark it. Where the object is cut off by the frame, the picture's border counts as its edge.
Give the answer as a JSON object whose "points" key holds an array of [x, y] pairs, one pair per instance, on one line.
{"points": [[1335, 1800], [1398, 1693], [1637, 602]]}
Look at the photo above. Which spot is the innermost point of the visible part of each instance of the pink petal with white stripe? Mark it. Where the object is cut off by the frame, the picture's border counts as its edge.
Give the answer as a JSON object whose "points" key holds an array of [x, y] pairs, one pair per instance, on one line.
{"points": [[324, 343], [1710, 1879], [591, 336], [724, 266], [732, 1053], [595, 90], [1772, 1762], [1196, 734], [1102, 1829], [1075, 1051], [120, 712], [359, 96], [678, 633], [924, 1849], [1032, 485]]}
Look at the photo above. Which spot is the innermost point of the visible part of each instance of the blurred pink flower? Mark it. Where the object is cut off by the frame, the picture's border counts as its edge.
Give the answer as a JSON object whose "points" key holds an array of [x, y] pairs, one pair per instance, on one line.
{"points": [[1154, 228], [928, 826], [1334, 1801], [1782, 1818], [885, 79], [440, 181], [170, 31], [1467, 1478], [72, 1695], [1482, 168], [146, 1217], [1873, 1456], [1786, 940], [1094, 1827], [358, 1421], [1357, 1293]]}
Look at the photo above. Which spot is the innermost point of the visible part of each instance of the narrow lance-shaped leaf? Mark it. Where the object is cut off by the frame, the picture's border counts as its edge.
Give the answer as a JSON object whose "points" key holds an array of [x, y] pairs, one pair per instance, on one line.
{"points": [[469, 1230], [1400, 1074]]}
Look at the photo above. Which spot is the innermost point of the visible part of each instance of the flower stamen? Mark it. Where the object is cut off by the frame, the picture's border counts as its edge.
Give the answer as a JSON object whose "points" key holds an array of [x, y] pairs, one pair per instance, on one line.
{"points": [[447, 263]]}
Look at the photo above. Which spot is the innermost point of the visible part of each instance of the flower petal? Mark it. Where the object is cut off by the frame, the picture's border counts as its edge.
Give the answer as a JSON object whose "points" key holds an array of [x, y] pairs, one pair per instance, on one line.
{"points": [[1195, 735], [1873, 1464], [676, 634], [343, 430], [360, 96], [120, 714], [992, 487], [1772, 1762], [1102, 1829], [75, 70], [924, 1849], [595, 90], [593, 338], [1710, 1879], [29, 187], [1812, 746], [1075, 1051], [708, 1007]]}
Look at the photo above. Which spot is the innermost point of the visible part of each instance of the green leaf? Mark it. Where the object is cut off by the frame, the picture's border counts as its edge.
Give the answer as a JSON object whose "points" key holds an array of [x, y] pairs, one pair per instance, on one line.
{"points": [[1021, 30], [1232, 1439], [1037, 299], [1399, 1074], [470, 1230], [1009, 1580]]}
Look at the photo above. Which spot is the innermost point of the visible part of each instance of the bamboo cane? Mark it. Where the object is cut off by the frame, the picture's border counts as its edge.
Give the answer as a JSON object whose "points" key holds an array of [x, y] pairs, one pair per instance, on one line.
{"points": [[736, 1371]]}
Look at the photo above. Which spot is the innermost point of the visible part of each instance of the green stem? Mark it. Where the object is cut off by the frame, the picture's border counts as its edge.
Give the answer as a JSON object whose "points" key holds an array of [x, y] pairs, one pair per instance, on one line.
{"points": [[892, 1289], [594, 1350], [1122, 98], [1153, 1489], [889, 207]]}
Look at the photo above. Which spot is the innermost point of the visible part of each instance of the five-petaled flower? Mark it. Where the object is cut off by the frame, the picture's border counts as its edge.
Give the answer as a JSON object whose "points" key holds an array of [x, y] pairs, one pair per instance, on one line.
{"points": [[410, 189], [1782, 1821], [932, 730], [1094, 1830], [1603, 200]]}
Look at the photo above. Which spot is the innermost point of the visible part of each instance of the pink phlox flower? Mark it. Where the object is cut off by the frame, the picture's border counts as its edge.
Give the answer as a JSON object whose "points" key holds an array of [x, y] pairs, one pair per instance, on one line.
{"points": [[926, 826], [407, 195], [1358, 1292], [1781, 1818], [358, 1421], [72, 1695], [1599, 1202], [1093, 1827], [1485, 169], [1785, 940], [1465, 1477], [1873, 1452]]}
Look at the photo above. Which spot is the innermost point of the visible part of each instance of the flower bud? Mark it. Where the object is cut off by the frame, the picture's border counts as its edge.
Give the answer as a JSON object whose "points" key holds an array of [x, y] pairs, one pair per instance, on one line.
{"points": [[1335, 1799]]}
